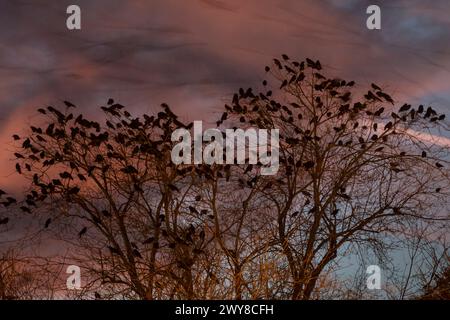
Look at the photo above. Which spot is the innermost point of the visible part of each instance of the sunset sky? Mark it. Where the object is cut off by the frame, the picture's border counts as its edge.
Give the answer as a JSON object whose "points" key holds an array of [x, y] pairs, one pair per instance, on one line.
{"points": [[195, 54]]}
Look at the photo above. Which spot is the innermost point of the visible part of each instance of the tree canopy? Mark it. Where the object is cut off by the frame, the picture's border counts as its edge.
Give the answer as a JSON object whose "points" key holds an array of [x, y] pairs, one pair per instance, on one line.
{"points": [[354, 175]]}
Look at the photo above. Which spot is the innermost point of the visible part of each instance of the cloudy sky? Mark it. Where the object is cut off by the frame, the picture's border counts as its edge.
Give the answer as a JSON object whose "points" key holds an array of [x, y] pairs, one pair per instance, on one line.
{"points": [[193, 54]]}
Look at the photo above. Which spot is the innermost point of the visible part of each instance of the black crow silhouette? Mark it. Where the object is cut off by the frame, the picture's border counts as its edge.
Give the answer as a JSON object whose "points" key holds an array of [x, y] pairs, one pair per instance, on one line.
{"points": [[374, 86], [25, 209], [310, 63], [69, 104], [66, 175], [379, 112], [18, 169], [277, 63], [388, 126], [137, 254], [193, 210], [82, 232], [309, 165], [404, 108], [47, 222], [385, 96], [106, 213], [129, 169]]}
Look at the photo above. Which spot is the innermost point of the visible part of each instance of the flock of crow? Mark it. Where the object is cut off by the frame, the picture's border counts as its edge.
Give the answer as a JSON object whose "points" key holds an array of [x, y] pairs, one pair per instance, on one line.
{"points": [[69, 134]]}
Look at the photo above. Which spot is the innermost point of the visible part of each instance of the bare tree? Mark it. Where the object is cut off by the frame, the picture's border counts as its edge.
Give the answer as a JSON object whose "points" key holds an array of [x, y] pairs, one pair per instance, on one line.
{"points": [[354, 175], [352, 171]]}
